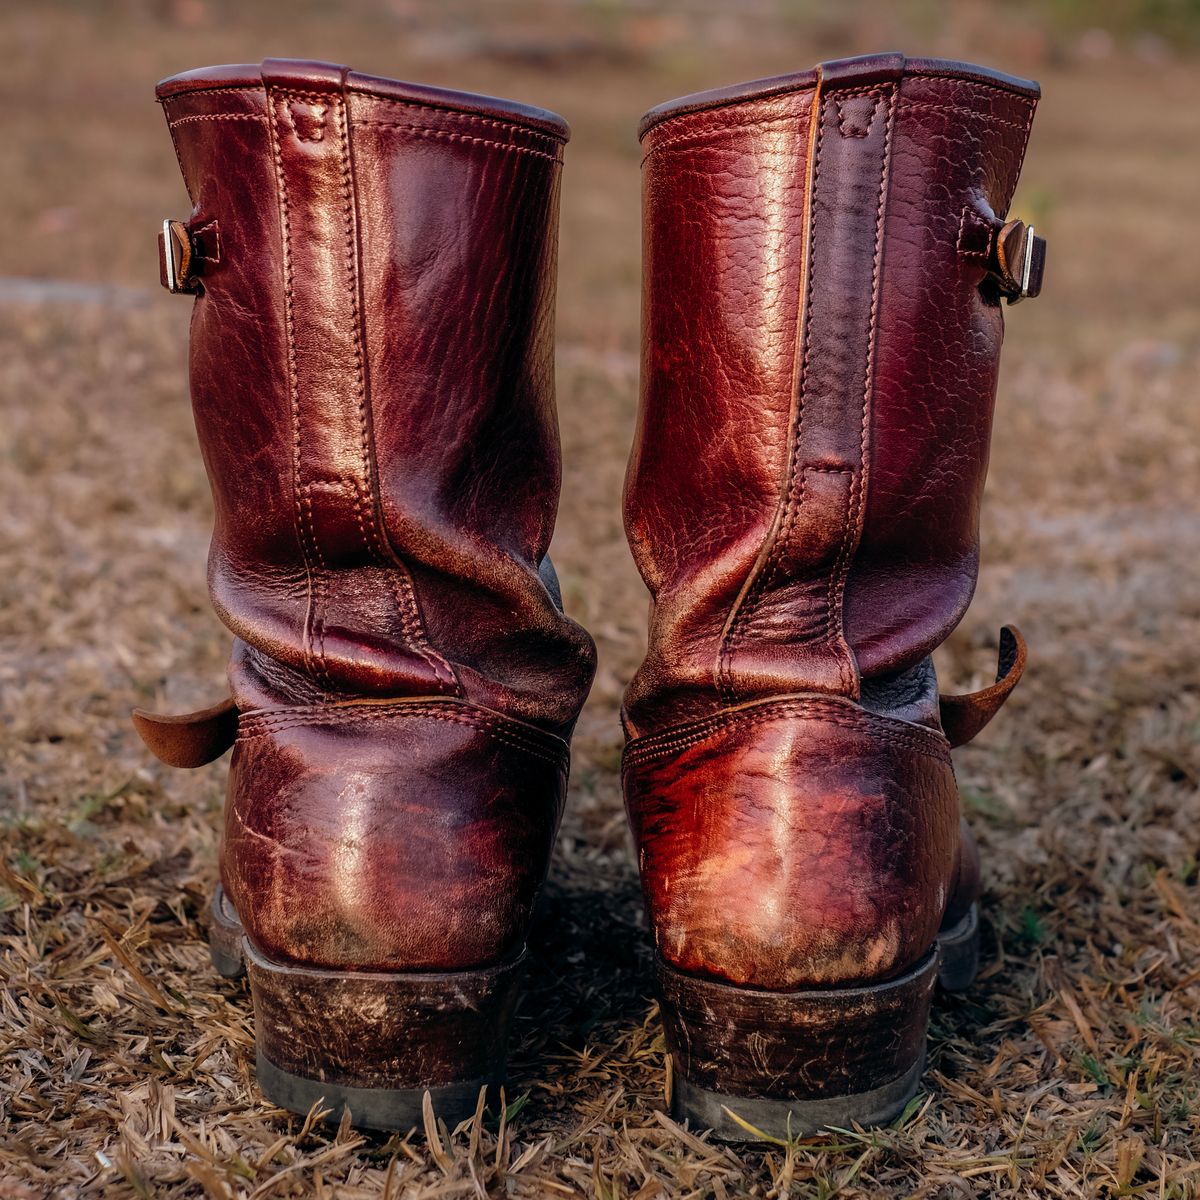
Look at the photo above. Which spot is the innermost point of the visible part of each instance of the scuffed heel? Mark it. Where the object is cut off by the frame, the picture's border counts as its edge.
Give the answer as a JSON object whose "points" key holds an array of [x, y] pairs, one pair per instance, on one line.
{"points": [[747, 1062], [375, 1043]]}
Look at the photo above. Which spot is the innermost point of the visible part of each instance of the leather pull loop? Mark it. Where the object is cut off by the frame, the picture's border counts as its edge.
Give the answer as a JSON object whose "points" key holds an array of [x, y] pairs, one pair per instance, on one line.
{"points": [[964, 716], [189, 739]]}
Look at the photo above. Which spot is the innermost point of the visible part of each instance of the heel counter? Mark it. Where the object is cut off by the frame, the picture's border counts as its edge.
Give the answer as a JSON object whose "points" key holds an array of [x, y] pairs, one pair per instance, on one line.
{"points": [[405, 836], [801, 842]]}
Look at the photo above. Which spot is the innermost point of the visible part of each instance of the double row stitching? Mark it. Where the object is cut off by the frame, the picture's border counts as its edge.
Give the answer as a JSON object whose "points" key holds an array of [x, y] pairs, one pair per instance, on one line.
{"points": [[962, 112], [251, 89], [769, 568], [696, 135], [454, 136], [253, 727], [473, 119], [299, 497], [360, 388], [1006, 92], [827, 711], [365, 511], [699, 134], [856, 505]]}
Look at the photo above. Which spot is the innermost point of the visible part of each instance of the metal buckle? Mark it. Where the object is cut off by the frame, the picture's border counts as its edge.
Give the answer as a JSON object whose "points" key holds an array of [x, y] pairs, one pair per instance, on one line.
{"points": [[175, 247], [1026, 269]]}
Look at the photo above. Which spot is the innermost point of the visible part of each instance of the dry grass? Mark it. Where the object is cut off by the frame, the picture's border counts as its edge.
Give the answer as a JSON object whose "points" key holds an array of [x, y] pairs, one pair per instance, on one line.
{"points": [[1071, 1070]]}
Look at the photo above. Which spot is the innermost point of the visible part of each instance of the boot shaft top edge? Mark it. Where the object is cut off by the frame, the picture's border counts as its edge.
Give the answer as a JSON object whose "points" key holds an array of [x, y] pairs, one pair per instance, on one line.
{"points": [[314, 74], [856, 71]]}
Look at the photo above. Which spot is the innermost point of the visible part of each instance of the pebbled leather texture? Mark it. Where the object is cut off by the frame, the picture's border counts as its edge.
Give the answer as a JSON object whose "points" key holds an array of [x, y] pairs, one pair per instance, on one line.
{"points": [[372, 378], [820, 354]]}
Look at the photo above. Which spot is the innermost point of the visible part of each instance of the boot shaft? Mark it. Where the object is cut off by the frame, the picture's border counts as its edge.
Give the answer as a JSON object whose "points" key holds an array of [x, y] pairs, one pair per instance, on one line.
{"points": [[824, 268], [372, 378]]}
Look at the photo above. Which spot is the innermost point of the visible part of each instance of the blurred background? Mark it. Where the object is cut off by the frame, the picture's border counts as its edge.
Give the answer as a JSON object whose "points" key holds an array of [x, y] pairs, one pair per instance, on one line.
{"points": [[1071, 1070]]}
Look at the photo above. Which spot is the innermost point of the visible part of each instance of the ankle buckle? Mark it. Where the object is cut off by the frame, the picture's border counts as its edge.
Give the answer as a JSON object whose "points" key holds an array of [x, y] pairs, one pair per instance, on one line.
{"points": [[1020, 258], [176, 259]]}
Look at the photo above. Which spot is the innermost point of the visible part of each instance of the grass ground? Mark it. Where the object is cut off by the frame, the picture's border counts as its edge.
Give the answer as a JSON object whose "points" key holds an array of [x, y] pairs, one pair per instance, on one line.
{"points": [[1071, 1070]]}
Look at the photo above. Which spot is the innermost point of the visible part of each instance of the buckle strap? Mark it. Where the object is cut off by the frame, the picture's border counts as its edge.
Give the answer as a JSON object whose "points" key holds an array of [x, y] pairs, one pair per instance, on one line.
{"points": [[964, 716], [184, 252], [1011, 253]]}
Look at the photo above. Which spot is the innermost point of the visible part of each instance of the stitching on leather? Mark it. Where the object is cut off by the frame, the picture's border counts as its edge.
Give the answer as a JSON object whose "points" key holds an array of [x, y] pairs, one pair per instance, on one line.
{"points": [[402, 584], [319, 585], [179, 159], [963, 112], [360, 384], [451, 135], [210, 227], [232, 89], [320, 110], [788, 706], [969, 214], [840, 97], [769, 569], [1021, 155], [910, 745], [1006, 92], [698, 134], [233, 116], [317, 668], [856, 502], [828, 711], [259, 726], [455, 114], [322, 98]]}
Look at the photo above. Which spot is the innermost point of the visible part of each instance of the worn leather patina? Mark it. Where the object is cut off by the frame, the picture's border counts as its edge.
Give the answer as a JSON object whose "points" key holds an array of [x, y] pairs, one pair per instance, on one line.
{"points": [[826, 255], [372, 376]]}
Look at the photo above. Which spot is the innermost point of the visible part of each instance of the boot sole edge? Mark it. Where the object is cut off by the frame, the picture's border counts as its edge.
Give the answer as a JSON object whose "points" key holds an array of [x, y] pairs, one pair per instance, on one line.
{"points": [[808, 1031]]}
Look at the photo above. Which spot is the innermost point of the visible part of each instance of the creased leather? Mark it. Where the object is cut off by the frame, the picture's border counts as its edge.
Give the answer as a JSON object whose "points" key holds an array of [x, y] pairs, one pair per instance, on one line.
{"points": [[372, 379], [802, 500]]}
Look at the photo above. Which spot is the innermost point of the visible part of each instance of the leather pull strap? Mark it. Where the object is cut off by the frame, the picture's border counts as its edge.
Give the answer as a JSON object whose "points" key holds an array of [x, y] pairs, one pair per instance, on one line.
{"points": [[964, 716], [804, 565], [189, 739]]}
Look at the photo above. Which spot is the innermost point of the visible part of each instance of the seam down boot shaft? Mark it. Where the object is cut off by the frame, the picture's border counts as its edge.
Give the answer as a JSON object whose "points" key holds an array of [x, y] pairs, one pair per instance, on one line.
{"points": [[372, 379], [825, 256]]}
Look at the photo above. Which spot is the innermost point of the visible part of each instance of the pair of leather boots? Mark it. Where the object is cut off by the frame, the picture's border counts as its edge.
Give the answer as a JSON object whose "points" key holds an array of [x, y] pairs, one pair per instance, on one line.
{"points": [[373, 265]]}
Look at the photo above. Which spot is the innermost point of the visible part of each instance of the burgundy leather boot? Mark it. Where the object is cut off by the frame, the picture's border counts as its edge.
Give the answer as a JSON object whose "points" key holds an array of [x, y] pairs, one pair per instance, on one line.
{"points": [[373, 265], [825, 259]]}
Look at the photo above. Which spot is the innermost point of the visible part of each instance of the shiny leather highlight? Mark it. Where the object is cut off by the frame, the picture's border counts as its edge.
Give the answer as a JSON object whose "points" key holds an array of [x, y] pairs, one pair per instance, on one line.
{"points": [[800, 841]]}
